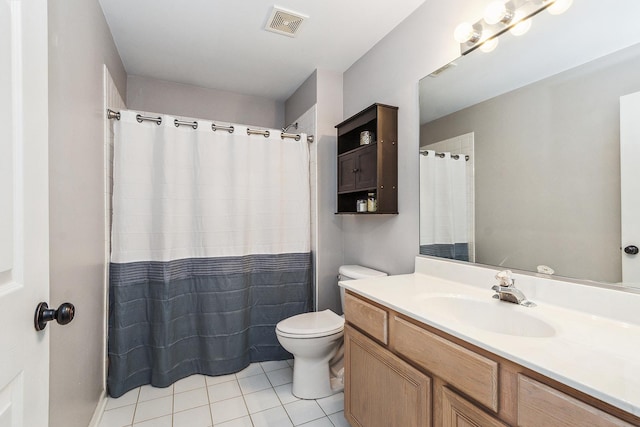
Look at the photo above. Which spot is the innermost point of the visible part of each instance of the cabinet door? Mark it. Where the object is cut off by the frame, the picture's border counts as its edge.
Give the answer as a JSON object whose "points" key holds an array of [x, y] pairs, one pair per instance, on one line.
{"points": [[347, 172], [458, 412], [380, 389], [367, 166]]}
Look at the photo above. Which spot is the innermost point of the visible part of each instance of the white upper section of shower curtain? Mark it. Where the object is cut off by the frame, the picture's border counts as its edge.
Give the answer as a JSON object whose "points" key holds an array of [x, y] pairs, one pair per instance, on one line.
{"points": [[182, 193]]}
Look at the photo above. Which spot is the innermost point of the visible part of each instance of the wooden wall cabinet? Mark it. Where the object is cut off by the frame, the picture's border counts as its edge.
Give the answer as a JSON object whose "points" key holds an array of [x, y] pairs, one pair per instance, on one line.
{"points": [[369, 168], [400, 372]]}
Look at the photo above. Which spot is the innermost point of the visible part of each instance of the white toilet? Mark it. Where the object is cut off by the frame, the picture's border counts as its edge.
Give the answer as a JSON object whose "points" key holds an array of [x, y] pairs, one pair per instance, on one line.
{"points": [[314, 339]]}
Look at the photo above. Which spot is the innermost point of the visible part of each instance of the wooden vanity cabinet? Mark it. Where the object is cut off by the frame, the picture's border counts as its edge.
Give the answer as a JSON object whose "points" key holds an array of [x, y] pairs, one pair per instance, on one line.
{"points": [[459, 412], [381, 390], [400, 372], [540, 406], [368, 168], [467, 371]]}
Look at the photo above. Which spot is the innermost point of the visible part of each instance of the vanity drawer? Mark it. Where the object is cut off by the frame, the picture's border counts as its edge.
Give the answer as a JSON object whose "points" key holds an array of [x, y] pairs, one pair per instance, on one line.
{"points": [[472, 374], [540, 405], [367, 317]]}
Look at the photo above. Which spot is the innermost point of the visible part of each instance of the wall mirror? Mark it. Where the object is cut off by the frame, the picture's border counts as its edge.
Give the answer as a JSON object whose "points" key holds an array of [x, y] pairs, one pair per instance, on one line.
{"points": [[539, 120]]}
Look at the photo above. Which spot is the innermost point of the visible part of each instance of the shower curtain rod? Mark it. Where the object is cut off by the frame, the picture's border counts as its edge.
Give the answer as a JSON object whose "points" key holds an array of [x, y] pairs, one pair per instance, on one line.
{"points": [[158, 120], [441, 155]]}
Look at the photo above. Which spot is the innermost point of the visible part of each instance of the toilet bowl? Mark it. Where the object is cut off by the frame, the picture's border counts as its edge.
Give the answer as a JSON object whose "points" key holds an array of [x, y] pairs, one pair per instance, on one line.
{"points": [[314, 339]]}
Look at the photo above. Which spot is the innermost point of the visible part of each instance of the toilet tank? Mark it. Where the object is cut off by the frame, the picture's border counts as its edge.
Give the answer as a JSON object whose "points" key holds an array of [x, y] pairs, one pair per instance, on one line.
{"points": [[354, 272]]}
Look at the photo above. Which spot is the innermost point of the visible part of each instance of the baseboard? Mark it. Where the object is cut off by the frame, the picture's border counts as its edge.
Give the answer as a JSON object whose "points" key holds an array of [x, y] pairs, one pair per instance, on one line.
{"points": [[97, 414]]}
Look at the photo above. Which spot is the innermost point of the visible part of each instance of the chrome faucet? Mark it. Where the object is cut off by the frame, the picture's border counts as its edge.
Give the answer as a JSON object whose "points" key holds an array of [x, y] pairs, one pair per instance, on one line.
{"points": [[506, 291]]}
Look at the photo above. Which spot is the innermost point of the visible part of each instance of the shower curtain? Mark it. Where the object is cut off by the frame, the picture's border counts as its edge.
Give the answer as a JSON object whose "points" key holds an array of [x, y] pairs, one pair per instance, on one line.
{"points": [[210, 249], [443, 206]]}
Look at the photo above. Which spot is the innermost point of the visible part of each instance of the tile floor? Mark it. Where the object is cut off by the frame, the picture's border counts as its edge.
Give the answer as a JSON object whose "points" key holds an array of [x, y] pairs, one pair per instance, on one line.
{"points": [[258, 396]]}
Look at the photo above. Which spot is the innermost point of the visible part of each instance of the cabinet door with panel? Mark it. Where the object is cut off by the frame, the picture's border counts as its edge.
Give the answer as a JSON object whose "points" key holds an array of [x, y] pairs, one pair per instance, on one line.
{"points": [[347, 170], [459, 412], [367, 168], [357, 169], [381, 390]]}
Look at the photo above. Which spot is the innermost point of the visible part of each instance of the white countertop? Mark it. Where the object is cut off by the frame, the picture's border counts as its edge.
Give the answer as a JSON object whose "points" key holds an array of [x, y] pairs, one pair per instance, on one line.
{"points": [[594, 354]]}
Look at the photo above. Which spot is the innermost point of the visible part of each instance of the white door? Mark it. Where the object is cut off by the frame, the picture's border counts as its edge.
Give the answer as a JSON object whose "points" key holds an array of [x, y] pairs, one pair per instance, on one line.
{"points": [[24, 242], [630, 187]]}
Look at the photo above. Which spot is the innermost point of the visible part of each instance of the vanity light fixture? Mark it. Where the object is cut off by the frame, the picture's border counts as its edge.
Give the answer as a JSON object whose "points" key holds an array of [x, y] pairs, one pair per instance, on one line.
{"points": [[559, 6], [501, 16], [521, 27], [489, 45], [466, 33], [498, 11]]}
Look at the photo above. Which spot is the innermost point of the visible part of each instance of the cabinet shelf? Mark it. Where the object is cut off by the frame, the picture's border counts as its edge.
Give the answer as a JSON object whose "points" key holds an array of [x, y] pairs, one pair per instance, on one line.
{"points": [[366, 213], [363, 169]]}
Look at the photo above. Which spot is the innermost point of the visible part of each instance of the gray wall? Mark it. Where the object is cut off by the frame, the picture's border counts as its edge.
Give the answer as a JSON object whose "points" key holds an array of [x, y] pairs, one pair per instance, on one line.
{"points": [[79, 44], [159, 96], [549, 155], [324, 89], [330, 250], [302, 99], [389, 73]]}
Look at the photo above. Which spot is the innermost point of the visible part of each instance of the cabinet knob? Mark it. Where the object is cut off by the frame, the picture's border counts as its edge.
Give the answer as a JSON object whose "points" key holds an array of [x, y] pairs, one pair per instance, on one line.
{"points": [[355, 170]]}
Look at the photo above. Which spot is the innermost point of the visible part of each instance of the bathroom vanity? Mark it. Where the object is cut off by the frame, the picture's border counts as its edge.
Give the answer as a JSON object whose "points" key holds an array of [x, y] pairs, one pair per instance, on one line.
{"points": [[434, 349]]}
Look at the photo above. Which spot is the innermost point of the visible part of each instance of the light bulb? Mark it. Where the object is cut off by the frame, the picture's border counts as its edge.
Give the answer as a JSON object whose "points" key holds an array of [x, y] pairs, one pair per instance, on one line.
{"points": [[466, 33], [559, 6], [521, 27], [496, 11], [489, 45]]}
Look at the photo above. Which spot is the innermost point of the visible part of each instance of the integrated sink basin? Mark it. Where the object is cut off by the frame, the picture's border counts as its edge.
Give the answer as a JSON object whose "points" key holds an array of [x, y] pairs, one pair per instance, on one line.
{"points": [[492, 315]]}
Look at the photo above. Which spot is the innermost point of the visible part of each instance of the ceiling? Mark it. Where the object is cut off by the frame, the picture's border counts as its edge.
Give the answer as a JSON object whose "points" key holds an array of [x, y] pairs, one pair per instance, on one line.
{"points": [[222, 44]]}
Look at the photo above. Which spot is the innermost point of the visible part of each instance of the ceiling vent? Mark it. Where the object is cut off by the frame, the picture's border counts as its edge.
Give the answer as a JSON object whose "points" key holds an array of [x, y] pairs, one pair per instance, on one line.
{"points": [[284, 22]]}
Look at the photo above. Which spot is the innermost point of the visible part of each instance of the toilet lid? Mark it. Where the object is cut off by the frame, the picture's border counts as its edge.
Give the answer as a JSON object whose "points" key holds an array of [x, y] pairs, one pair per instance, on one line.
{"points": [[312, 323]]}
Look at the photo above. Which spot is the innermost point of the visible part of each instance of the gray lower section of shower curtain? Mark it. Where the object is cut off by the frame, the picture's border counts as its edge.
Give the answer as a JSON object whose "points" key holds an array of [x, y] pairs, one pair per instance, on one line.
{"points": [[213, 316], [457, 251]]}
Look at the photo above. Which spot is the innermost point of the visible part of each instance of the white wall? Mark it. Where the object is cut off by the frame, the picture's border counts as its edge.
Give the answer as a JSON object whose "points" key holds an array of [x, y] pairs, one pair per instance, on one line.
{"points": [[389, 74], [159, 96], [80, 44]]}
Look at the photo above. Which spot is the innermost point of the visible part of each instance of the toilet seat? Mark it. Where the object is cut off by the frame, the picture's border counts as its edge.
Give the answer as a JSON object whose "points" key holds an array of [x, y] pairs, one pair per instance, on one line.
{"points": [[311, 325]]}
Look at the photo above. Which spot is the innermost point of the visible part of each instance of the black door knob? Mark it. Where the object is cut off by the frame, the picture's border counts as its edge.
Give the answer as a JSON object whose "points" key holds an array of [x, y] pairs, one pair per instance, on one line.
{"points": [[631, 250], [63, 314]]}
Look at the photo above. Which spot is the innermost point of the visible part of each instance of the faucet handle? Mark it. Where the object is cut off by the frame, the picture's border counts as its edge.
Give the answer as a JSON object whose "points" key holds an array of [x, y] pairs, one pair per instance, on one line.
{"points": [[505, 279]]}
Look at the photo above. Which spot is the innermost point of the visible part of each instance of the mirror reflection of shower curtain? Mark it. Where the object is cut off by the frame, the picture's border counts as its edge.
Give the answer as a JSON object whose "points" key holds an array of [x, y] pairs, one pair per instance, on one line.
{"points": [[210, 249], [443, 207]]}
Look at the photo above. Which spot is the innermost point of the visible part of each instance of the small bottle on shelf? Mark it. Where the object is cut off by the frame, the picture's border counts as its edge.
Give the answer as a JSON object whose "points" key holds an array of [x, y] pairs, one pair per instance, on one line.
{"points": [[372, 204]]}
